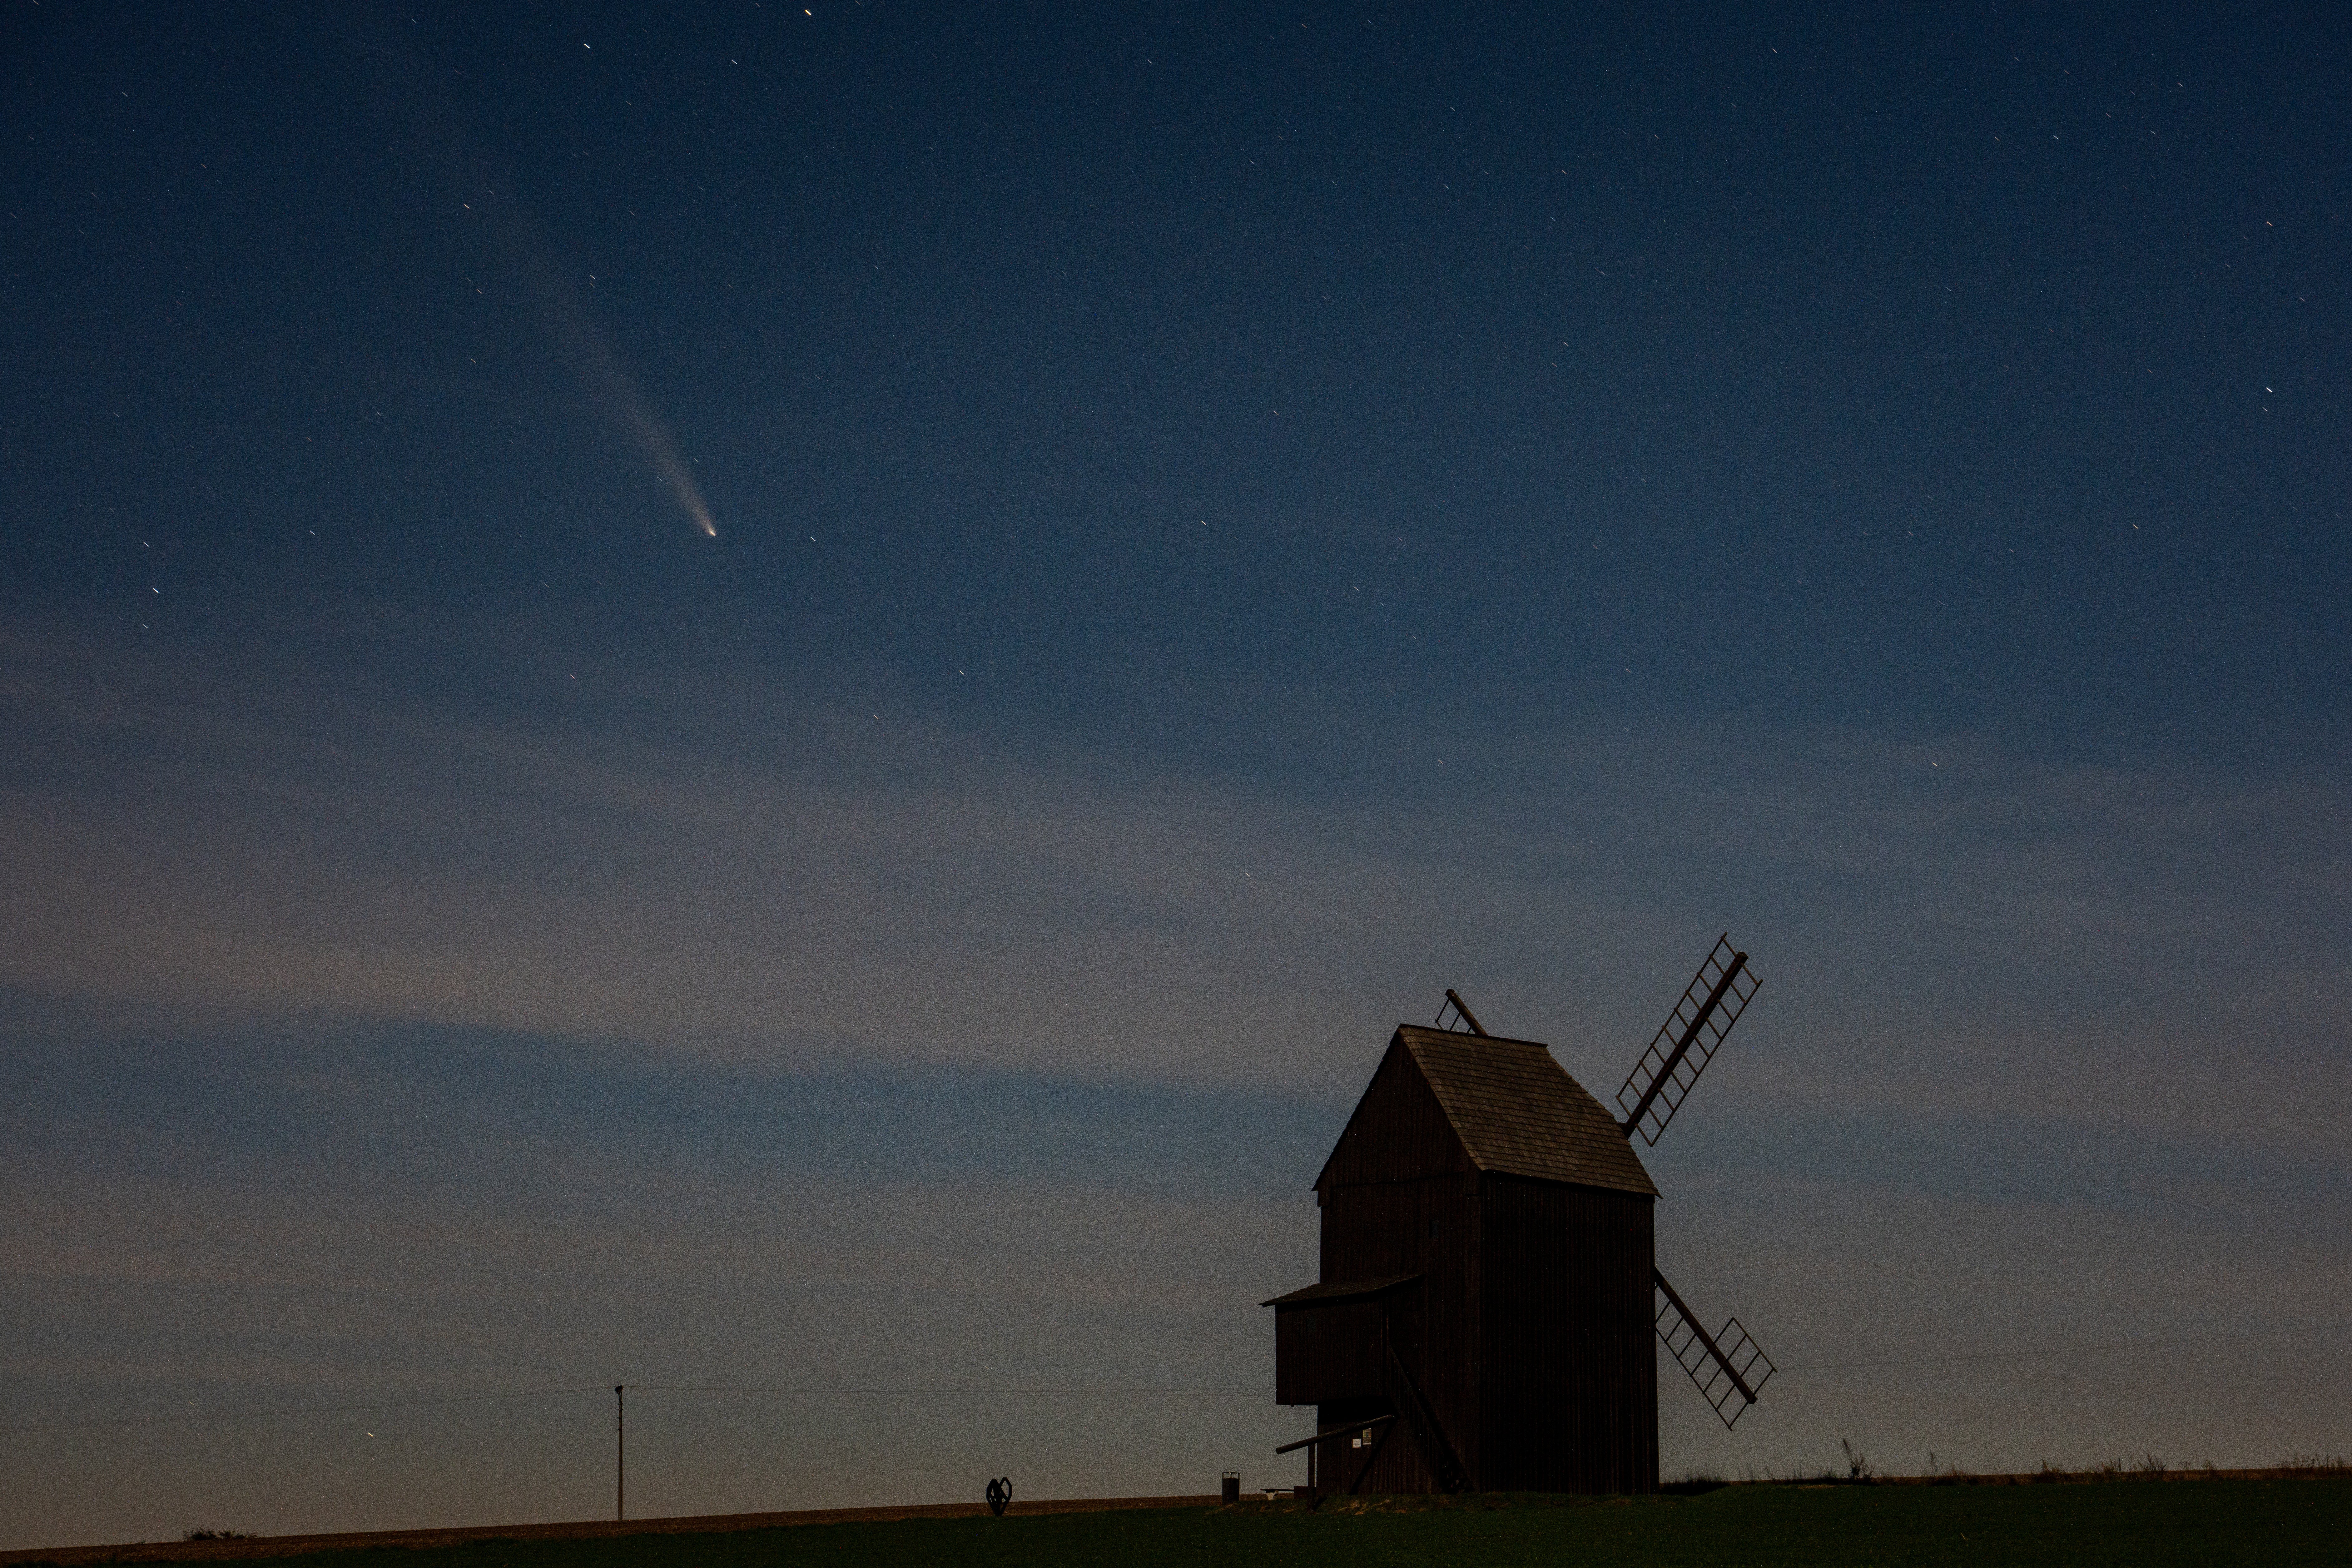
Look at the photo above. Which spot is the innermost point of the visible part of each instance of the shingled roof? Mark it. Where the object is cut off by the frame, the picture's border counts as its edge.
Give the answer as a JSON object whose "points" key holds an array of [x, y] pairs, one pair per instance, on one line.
{"points": [[1517, 1111]]}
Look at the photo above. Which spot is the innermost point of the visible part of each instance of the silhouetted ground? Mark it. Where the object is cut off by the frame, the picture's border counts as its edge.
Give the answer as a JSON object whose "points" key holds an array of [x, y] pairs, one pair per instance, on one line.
{"points": [[2135, 1523]]}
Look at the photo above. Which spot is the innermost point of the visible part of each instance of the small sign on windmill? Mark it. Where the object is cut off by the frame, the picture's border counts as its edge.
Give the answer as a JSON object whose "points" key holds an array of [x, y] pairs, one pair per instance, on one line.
{"points": [[1489, 1286]]}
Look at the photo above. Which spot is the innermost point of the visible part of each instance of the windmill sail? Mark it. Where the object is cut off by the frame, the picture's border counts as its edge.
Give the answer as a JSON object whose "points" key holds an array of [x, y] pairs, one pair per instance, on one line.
{"points": [[1687, 1040], [1462, 1017], [1724, 1366]]}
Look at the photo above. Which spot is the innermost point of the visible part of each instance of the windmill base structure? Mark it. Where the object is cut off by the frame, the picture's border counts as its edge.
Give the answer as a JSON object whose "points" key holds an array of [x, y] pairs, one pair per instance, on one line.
{"points": [[1489, 1290]]}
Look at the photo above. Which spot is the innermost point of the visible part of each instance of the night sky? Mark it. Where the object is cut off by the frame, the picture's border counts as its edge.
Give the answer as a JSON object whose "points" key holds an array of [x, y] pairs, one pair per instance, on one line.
{"points": [[1227, 523]]}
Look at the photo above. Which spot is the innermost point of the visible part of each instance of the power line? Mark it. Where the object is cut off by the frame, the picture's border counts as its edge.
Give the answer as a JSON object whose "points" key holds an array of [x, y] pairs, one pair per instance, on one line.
{"points": [[2067, 1350], [1138, 1391], [650, 1387], [300, 1410], [888, 1393]]}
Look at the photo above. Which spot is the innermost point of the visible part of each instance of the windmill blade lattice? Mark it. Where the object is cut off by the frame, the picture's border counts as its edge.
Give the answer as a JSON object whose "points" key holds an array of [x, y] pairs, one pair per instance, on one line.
{"points": [[1724, 1366], [1687, 1040]]}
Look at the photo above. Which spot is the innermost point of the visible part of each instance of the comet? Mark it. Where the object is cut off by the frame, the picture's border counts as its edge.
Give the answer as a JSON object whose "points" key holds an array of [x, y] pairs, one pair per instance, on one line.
{"points": [[569, 321], [607, 374], [554, 289]]}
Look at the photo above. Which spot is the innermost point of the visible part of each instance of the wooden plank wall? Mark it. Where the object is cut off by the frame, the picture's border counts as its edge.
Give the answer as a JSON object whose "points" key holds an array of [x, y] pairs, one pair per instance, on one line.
{"points": [[1392, 1467], [1329, 1352], [1568, 1376], [1400, 1196]]}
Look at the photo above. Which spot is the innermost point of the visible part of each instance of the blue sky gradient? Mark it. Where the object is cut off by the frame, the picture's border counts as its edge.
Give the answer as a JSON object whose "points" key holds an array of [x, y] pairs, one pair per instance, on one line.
{"points": [[1229, 524]]}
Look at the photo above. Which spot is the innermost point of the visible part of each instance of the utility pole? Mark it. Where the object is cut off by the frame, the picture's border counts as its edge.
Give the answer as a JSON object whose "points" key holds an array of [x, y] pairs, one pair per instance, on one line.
{"points": [[620, 1456]]}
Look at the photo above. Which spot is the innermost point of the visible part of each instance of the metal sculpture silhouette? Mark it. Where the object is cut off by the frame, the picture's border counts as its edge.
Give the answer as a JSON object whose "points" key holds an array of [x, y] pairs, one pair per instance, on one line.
{"points": [[999, 1495]]}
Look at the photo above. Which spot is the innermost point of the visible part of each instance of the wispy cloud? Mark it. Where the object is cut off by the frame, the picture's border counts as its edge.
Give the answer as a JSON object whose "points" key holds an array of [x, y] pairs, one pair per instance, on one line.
{"points": [[773, 879], [382, 1043]]}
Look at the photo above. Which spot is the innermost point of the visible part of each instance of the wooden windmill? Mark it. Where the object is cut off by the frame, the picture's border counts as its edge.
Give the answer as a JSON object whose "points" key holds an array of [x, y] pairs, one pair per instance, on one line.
{"points": [[1488, 1285]]}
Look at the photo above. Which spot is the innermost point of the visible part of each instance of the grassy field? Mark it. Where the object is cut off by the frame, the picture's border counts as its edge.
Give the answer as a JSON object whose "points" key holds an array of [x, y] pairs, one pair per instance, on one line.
{"points": [[2136, 1524]]}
